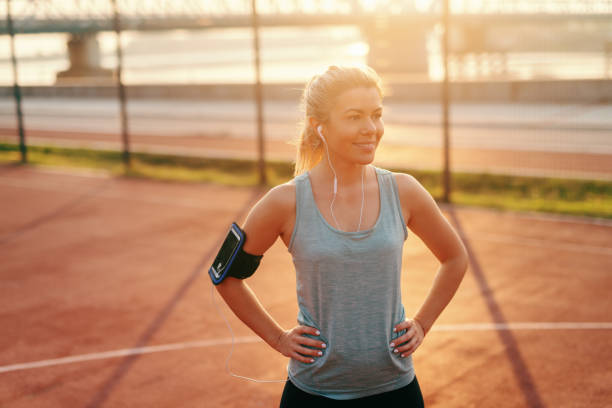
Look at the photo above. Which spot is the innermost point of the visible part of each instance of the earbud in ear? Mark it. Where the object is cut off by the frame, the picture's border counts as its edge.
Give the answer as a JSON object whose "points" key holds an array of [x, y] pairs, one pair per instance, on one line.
{"points": [[320, 132]]}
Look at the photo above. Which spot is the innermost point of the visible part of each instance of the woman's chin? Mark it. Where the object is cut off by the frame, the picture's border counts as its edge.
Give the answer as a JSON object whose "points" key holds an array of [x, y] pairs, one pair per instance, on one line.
{"points": [[365, 159]]}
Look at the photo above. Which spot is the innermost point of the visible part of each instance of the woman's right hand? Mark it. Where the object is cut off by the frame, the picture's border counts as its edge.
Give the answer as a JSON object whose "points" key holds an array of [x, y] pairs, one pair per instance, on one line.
{"points": [[291, 343]]}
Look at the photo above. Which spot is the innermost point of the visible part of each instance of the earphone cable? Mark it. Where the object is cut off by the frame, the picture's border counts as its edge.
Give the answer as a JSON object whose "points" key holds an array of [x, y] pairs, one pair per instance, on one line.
{"points": [[229, 356], [362, 199], [331, 206]]}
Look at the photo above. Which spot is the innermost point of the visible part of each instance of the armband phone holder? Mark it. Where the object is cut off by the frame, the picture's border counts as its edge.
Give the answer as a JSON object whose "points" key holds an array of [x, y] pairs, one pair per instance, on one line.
{"points": [[232, 260]]}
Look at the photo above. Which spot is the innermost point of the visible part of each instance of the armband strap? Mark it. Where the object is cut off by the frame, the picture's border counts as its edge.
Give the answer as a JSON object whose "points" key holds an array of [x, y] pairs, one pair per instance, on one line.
{"points": [[232, 260]]}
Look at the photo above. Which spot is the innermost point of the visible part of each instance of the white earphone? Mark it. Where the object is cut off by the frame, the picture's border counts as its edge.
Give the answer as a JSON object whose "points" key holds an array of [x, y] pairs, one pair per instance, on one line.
{"points": [[319, 128], [331, 206]]}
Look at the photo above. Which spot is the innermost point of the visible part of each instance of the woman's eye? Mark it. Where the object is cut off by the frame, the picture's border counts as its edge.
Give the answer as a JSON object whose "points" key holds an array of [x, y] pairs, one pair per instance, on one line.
{"points": [[357, 117]]}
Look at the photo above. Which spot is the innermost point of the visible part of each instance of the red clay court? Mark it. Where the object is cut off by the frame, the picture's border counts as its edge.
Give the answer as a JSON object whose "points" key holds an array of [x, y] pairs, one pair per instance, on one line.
{"points": [[106, 302]]}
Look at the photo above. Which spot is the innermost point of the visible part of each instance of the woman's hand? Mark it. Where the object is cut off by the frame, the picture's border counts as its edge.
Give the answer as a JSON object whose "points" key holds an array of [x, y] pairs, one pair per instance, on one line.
{"points": [[291, 343], [407, 343]]}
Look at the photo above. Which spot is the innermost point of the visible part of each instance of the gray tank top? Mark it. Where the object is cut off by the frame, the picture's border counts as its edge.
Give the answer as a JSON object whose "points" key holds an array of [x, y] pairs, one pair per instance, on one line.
{"points": [[348, 287]]}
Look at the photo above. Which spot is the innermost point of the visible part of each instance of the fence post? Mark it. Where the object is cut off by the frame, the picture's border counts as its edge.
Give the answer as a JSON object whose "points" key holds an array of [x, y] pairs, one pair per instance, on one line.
{"points": [[16, 89], [258, 99], [121, 89], [445, 108]]}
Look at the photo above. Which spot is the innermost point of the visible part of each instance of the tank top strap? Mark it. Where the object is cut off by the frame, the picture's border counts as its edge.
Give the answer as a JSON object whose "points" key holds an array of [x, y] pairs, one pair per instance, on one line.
{"points": [[390, 202], [304, 207]]}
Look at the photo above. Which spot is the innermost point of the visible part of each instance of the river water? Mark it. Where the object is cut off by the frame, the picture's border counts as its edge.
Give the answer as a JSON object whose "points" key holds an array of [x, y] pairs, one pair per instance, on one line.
{"points": [[289, 54]]}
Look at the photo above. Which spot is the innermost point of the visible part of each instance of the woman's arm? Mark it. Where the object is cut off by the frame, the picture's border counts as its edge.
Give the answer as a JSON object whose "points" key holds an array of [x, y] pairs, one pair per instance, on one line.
{"points": [[425, 219], [270, 218]]}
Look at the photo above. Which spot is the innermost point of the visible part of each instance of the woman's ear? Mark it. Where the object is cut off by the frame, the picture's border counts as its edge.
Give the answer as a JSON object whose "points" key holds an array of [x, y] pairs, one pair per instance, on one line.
{"points": [[314, 124]]}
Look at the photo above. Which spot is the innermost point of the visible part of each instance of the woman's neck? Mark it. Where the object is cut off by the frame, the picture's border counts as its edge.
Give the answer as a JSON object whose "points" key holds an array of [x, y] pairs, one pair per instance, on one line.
{"points": [[350, 175]]}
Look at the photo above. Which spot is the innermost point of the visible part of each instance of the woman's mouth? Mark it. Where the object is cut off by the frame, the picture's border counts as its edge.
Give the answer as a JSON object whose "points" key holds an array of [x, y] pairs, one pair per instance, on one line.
{"points": [[368, 146]]}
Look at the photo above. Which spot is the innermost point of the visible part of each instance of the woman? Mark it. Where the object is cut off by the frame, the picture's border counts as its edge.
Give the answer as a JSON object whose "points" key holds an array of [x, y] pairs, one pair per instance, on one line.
{"points": [[345, 223]]}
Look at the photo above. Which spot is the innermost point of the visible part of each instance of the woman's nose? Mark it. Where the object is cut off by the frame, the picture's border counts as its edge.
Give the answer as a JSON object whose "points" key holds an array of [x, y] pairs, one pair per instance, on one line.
{"points": [[369, 126]]}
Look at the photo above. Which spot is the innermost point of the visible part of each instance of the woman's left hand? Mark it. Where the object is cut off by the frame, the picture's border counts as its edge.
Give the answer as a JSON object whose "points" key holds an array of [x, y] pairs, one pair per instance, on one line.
{"points": [[407, 343]]}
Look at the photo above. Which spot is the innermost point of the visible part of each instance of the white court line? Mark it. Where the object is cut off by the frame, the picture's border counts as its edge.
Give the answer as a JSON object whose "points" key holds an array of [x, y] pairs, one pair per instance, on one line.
{"points": [[254, 339], [524, 326], [126, 352]]}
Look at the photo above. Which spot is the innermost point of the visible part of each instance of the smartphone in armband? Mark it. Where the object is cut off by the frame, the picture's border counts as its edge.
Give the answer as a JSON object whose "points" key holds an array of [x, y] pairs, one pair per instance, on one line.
{"points": [[227, 254]]}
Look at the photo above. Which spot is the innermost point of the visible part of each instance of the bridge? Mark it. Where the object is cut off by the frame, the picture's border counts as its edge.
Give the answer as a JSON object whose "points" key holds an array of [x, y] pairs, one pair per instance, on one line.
{"points": [[85, 16], [396, 30]]}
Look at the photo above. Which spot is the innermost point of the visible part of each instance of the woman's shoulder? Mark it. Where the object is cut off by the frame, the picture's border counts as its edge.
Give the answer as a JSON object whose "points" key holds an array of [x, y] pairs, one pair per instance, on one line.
{"points": [[410, 190], [404, 180], [280, 198], [284, 192], [272, 213]]}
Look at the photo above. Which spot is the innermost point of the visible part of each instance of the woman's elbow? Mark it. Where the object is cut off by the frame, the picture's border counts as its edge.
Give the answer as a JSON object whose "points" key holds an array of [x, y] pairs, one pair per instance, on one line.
{"points": [[457, 264], [462, 261]]}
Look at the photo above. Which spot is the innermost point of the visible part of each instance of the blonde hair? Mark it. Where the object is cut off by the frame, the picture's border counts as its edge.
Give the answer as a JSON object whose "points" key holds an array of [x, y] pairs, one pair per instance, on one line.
{"points": [[318, 99]]}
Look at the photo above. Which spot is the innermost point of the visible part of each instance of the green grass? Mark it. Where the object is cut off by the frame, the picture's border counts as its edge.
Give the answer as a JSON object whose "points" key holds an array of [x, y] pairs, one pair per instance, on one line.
{"points": [[563, 196], [239, 173]]}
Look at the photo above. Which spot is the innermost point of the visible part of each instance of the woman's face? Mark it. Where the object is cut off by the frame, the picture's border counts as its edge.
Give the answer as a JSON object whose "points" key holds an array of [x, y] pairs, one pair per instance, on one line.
{"points": [[355, 125]]}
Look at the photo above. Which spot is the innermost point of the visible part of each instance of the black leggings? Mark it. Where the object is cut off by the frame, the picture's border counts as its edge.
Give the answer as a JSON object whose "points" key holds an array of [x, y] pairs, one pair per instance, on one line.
{"points": [[408, 397]]}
